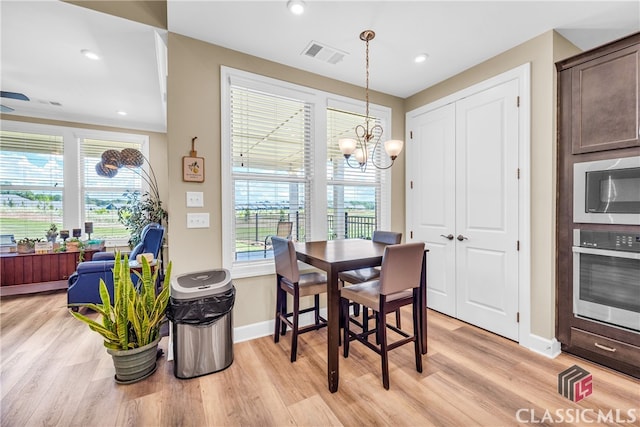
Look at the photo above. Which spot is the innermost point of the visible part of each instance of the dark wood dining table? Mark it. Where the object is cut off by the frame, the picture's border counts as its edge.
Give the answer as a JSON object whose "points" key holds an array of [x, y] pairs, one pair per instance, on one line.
{"points": [[334, 256]]}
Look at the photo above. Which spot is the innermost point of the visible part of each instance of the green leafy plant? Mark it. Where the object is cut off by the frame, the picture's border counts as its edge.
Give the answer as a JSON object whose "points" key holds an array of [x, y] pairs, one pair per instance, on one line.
{"points": [[137, 312], [138, 211], [52, 233], [30, 243]]}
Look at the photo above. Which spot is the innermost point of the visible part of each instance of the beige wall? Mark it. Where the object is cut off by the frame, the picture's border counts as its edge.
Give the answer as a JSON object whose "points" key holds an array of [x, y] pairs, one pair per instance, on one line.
{"points": [[153, 12], [541, 52], [194, 110]]}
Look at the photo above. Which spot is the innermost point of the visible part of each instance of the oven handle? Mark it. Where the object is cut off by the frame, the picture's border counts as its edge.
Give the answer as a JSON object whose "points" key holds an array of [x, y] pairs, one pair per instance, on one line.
{"points": [[605, 252]]}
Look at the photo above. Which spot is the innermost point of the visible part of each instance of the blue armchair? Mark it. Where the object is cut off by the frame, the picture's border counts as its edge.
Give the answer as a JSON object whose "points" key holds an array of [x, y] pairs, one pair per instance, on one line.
{"points": [[84, 284]]}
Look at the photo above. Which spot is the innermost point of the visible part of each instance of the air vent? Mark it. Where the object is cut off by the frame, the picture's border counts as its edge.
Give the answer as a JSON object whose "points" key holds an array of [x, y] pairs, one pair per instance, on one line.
{"points": [[324, 53]]}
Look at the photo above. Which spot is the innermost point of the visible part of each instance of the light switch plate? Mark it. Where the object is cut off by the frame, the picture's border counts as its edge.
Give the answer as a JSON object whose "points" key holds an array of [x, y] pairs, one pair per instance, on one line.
{"points": [[198, 220], [195, 199]]}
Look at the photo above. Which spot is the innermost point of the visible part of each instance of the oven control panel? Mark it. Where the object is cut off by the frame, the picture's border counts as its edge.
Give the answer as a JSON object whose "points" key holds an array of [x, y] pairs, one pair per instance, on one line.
{"points": [[611, 240]]}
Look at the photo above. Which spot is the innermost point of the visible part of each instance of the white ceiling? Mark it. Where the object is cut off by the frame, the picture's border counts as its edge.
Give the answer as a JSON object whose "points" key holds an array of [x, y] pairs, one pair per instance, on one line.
{"points": [[41, 42]]}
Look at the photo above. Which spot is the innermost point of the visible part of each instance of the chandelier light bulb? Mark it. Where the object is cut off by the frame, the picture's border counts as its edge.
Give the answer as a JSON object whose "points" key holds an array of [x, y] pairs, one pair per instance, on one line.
{"points": [[347, 146], [359, 155], [393, 147]]}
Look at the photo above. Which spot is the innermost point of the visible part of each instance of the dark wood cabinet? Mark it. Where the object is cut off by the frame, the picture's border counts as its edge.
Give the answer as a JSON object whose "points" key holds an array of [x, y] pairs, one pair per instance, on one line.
{"points": [[29, 269], [604, 97], [598, 119]]}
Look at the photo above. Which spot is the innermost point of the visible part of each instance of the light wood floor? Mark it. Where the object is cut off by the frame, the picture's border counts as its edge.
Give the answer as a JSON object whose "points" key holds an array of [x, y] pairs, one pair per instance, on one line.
{"points": [[55, 372]]}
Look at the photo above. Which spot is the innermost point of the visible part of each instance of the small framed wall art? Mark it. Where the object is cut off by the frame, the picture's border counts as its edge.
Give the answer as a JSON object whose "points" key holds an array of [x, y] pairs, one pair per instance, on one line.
{"points": [[192, 165]]}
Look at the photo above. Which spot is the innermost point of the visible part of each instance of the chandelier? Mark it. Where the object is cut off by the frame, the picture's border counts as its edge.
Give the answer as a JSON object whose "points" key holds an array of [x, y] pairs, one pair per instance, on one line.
{"points": [[365, 138]]}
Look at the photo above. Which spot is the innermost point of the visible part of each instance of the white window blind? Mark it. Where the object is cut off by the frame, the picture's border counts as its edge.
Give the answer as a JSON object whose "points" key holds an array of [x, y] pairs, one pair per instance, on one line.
{"points": [[102, 196], [353, 196], [271, 168], [32, 183]]}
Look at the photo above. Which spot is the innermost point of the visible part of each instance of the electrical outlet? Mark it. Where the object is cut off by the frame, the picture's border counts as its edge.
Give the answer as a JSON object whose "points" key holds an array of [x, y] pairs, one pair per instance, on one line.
{"points": [[197, 220], [195, 199]]}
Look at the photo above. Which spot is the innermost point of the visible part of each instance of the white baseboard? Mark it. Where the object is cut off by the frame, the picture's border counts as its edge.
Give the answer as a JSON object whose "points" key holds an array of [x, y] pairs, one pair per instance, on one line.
{"points": [[263, 329], [546, 347]]}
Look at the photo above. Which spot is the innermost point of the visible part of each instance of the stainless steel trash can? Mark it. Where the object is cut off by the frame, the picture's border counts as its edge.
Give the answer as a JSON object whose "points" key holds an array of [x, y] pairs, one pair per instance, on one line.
{"points": [[200, 309]]}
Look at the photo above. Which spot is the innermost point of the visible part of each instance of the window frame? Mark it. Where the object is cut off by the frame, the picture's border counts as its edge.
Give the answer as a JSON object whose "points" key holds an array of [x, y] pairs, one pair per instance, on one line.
{"points": [[320, 101], [73, 195]]}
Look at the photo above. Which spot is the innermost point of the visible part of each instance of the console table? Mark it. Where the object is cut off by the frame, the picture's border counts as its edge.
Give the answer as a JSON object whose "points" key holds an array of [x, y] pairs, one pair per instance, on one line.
{"points": [[28, 273]]}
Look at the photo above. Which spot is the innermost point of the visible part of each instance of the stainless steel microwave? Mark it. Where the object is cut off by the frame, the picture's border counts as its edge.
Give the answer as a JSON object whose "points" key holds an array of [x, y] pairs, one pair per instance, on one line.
{"points": [[607, 191]]}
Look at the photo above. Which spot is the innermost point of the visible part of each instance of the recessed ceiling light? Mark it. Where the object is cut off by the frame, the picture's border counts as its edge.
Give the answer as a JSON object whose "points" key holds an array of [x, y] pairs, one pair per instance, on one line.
{"points": [[420, 58], [122, 113], [296, 7], [91, 55]]}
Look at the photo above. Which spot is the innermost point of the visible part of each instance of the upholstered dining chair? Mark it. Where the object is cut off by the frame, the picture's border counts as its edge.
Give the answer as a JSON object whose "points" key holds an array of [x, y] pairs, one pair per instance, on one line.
{"points": [[370, 273], [397, 286], [283, 229], [290, 281]]}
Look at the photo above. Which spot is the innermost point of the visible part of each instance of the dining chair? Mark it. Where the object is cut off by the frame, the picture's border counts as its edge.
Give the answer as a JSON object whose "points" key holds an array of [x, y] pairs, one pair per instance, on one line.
{"points": [[290, 281], [283, 229], [365, 274], [397, 286]]}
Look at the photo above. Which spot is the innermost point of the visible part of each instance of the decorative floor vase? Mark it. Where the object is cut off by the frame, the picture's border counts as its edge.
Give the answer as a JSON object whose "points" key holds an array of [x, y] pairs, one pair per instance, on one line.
{"points": [[135, 364]]}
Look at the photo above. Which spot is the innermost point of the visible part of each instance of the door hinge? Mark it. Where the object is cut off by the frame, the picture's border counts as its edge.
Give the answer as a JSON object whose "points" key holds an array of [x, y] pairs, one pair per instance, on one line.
{"points": [[410, 134], [411, 184], [518, 101], [518, 317], [517, 245], [518, 173], [411, 234]]}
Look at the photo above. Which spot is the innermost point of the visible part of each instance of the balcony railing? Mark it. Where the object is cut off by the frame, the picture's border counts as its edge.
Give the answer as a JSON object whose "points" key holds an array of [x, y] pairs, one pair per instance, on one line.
{"points": [[252, 228]]}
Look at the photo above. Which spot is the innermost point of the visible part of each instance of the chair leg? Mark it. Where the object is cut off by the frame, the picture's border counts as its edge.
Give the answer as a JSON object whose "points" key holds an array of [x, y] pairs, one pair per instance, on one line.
{"points": [[278, 321], [382, 333], [283, 311], [296, 315], [398, 319], [365, 321], [416, 332], [316, 306], [344, 306]]}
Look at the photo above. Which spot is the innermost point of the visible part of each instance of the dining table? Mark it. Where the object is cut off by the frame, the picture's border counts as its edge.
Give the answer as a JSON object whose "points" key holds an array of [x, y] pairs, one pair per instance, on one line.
{"points": [[335, 256]]}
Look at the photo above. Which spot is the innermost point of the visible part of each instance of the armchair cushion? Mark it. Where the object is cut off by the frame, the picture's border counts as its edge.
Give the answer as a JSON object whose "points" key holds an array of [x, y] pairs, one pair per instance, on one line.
{"points": [[103, 256]]}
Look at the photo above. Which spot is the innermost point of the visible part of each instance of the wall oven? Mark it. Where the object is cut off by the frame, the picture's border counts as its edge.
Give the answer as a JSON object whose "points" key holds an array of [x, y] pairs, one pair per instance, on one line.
{"points": [[606, 277], [607, 191]]}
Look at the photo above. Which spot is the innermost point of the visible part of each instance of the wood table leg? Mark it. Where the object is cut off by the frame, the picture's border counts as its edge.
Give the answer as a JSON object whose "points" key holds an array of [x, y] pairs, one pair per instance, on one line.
{"points": [[333, 329]]}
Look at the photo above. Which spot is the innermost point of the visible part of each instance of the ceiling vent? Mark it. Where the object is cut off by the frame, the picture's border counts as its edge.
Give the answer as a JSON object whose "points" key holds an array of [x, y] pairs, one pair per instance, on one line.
{"points": [[323, 53]]}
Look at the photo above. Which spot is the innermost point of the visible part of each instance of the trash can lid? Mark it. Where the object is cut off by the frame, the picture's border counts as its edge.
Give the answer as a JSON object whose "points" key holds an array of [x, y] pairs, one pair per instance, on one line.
{"points": [[201, 284]]}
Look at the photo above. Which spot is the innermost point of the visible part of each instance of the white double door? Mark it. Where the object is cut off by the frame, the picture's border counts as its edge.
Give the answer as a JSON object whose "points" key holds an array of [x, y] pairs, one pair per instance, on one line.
{"points": [[463, 167]]}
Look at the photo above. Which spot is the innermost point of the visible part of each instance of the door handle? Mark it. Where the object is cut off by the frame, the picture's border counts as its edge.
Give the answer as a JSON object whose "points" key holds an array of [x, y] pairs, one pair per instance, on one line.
{"points": [[450, 236], [461, 237]]}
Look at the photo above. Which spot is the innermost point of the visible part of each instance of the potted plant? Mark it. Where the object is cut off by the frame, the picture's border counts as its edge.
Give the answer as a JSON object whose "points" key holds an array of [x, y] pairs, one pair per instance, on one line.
{"points": [[52, 233], [138, 211], [27, 245], [131, 324]]}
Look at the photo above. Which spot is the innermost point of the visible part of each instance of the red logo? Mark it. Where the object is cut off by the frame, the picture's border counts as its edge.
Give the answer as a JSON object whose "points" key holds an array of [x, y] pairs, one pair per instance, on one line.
{"points": [[575, 383]]}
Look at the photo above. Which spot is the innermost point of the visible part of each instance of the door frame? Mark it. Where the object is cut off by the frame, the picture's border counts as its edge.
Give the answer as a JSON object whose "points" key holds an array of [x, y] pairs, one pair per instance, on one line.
{"points": [[522, 74]]}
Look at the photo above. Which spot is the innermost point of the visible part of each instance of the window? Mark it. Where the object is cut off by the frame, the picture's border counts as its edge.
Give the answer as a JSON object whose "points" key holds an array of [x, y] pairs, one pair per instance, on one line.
{"points": [[41, 183], [270, 146], [281, 162], [102, 196], [353, 196], [32, 179]]}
